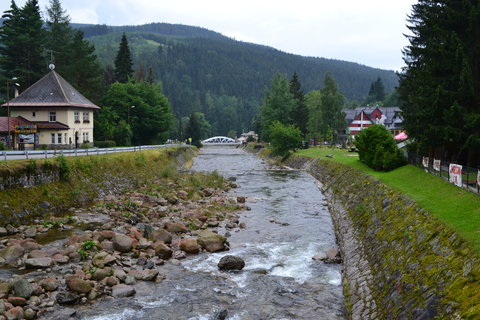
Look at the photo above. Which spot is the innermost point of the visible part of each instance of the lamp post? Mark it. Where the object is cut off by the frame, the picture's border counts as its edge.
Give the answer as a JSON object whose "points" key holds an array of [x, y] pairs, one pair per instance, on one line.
{"points": [[8, 108], [128, 114]]}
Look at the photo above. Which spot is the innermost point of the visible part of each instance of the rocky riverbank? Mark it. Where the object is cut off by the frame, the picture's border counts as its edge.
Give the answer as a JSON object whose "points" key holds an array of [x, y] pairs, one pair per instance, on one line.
{"points": [[103, 250]]}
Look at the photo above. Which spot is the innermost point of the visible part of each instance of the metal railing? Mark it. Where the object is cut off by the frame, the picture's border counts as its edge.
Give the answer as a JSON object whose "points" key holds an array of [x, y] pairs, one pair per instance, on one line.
{"points": [[441, 168], [36, 154]]}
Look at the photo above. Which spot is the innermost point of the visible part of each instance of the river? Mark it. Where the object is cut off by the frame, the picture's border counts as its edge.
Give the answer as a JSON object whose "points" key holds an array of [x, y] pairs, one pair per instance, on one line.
{"points": [[287, 225]]}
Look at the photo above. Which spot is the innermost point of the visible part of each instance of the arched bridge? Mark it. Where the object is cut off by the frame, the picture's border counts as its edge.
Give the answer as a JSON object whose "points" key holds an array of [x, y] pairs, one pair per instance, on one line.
{"points": [[220, 141]]}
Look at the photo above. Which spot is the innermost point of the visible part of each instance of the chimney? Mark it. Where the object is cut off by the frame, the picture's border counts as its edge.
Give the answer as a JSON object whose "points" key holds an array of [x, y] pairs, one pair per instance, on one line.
{"points": [[16, 92]]}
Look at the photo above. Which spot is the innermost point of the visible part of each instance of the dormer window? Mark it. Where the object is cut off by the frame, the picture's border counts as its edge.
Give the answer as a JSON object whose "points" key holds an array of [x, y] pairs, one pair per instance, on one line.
{"points": [[52, 116]]}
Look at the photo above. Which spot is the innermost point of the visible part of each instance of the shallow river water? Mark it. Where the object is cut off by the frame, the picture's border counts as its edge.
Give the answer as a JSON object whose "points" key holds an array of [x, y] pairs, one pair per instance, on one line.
{"points": [[287, 225]]}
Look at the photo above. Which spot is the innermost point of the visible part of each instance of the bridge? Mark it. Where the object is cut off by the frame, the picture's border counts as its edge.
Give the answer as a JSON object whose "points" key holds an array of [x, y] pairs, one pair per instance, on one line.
{"points": [[220, 140]]}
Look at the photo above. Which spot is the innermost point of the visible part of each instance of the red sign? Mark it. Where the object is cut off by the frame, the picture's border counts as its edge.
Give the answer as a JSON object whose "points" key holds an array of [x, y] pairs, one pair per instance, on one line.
{"points": [[455, 172]]}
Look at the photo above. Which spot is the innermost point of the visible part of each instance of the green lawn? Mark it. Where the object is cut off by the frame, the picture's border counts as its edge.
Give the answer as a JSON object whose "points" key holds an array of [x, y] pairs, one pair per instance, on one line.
{"points": [[456, 207]]}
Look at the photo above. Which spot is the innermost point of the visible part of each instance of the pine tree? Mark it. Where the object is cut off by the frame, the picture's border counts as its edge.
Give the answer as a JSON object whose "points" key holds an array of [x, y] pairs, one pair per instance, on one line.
{"points": [[123, 61], [300, 111], [377, 91], [59, 37], [22, 41], [439, 85]]}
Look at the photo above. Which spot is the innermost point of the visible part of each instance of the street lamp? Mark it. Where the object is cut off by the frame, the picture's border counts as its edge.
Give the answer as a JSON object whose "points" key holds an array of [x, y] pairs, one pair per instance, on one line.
{"points": [[128, 114], [8, 107]]}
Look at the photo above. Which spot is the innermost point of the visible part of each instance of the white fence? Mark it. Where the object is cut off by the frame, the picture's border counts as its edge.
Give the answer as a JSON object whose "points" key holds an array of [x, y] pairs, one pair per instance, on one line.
{"points": [[36, 154]]}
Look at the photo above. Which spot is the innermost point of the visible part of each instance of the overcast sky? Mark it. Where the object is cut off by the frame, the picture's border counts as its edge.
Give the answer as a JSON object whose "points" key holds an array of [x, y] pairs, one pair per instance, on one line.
{"points": [[368, 32]]}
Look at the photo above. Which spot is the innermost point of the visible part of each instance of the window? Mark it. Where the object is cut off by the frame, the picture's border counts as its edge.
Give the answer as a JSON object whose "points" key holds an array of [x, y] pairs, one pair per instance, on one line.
{"points": [[65, 139], [76, 116], [86, 117], [52, 116], [33, 114], [85, 137], [52, 140], [59, 138]]}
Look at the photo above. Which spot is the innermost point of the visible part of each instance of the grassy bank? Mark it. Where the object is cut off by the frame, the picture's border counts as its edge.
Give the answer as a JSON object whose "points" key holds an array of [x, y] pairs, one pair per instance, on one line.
{"points": [[81, 180], [456, 207]]}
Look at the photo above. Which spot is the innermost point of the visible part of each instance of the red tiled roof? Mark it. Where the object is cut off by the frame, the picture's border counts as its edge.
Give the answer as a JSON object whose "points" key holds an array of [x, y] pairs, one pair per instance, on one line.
{"points": [[4, 122], [51, 125], [51, 91]]}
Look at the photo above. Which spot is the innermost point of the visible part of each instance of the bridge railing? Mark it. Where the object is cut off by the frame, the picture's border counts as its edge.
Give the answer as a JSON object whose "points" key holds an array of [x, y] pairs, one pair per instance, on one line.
{"points": [[30, 154]]}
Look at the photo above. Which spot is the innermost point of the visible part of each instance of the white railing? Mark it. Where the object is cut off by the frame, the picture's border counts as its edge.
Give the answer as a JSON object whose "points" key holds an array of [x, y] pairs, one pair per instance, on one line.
{"points": [[35, 154]]}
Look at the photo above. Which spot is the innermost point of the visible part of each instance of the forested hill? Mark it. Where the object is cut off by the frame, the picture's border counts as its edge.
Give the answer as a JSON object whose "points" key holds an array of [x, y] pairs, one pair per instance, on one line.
{"points": [[204, 71]]}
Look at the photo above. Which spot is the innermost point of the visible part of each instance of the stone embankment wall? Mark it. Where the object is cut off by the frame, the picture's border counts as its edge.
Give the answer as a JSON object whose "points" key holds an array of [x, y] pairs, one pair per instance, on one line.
{"points": [[33, 189], [400, 261]]}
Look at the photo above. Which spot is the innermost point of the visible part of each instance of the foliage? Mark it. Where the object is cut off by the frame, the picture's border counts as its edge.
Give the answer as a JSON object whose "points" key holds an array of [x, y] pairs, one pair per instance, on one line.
{"points": [[377, 149], [278, 105], [147, 122], [64, 168], [284, 138], [300, 110], [439, 85], [313, 101], [194, 131], [22, 40], [105, 144], [333, 118], [123, 61]]}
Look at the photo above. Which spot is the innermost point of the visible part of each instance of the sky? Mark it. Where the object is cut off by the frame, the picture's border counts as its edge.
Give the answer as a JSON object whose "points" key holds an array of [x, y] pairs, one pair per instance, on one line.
{"points": [[369, 32]]}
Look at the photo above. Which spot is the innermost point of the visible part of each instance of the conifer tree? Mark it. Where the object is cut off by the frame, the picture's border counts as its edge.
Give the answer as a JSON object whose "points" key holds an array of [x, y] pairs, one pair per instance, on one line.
{"points": [[300, 111], [22, 39], [123, 61], [440, 83]]}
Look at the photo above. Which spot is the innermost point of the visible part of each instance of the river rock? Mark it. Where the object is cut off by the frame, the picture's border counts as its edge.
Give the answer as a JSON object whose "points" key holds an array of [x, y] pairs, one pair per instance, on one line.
{"points": [[111, 281], [241, 199], [31, 232], [120, 274], [122, 243], [100, 273], [162, 235], [38, 262], [15, 314], [3, 232], [17, 301], [176, 227], [122, 290], [37, 254], [22, 288], [49, 284], [149, 274], [12, 254], [332, 256], [231, 263], [4, 289], [182, 194], [163, 251], [221, 315], [190, 245], [30, 314], [78, 285], [66, 297], [3, 308], [102, 259], [210, 241], [60, 258]]}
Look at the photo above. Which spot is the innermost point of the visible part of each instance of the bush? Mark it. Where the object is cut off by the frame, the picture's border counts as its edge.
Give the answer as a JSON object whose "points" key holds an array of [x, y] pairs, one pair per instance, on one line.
{"points": [[378, 150], [105, 144], [284, 139]]}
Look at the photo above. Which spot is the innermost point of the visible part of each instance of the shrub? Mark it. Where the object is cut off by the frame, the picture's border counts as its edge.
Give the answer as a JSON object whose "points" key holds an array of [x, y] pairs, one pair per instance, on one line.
{"points": [[377, 149], [284, 139], [250, 139], [64, 168], [105, 144]]}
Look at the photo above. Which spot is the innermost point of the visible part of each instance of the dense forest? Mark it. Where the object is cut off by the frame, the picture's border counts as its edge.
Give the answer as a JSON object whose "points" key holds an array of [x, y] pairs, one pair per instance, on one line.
{"points": [[204, 71]]}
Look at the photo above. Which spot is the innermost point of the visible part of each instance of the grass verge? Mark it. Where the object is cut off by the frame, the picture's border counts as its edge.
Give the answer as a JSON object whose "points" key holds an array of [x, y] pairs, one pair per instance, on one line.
{"points": [[457, 208]]}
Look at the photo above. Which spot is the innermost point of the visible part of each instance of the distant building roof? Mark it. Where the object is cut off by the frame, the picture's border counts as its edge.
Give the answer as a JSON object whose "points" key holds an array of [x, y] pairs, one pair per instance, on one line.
{"points": [[388, 112], [51, 91], [5, 122]]}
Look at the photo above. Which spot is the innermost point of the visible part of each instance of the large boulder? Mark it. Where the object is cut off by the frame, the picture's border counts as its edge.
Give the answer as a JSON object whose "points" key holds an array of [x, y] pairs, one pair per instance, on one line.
{"points": [[122, 243], [78, 285], [212, 242], [11, 254], [15, 314], [161, 235], [122, 290], [190, 245], [231, 263], [163, 251], [22, 288]]}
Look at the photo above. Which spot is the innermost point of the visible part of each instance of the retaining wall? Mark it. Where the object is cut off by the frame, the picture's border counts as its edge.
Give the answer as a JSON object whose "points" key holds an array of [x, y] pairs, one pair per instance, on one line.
{"points": [[400, 261]]}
